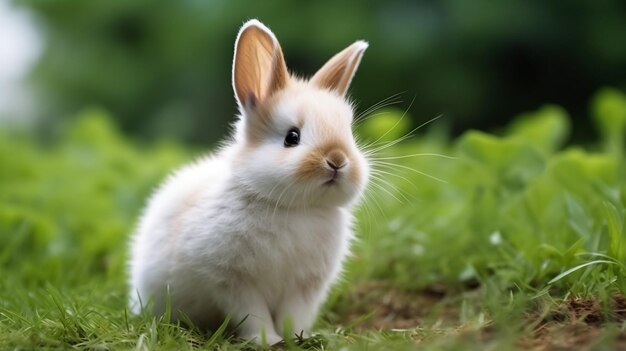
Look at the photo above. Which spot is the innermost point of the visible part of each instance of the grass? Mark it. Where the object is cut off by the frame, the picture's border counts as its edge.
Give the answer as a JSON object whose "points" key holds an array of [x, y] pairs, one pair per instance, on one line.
{"points": [[519, 244]]}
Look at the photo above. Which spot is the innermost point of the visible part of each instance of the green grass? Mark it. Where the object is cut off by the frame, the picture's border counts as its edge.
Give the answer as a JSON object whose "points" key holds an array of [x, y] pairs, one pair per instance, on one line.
{"points": [[521, 230]]}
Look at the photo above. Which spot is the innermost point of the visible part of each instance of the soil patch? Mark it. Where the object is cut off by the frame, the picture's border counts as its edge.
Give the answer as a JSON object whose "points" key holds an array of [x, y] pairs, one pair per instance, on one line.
{"points": [[575, 323], [381, 306]]}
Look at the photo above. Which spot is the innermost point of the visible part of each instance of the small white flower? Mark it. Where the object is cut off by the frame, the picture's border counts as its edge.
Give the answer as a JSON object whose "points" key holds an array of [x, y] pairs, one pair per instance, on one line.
{"points": [[495, 238]]}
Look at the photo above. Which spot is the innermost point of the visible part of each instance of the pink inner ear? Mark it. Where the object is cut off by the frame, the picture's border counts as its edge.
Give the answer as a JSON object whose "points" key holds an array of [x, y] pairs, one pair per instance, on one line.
{"points": [[337, 73], [251, 100], [259, 67]]}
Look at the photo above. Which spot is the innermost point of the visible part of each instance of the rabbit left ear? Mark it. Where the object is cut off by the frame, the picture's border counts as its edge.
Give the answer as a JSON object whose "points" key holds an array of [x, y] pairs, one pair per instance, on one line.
{"points": [[337, 73], [259, 67]]}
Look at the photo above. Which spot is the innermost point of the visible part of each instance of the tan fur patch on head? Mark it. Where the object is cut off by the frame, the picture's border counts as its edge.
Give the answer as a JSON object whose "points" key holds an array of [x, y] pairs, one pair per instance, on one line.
{"points": [[311, 167]]}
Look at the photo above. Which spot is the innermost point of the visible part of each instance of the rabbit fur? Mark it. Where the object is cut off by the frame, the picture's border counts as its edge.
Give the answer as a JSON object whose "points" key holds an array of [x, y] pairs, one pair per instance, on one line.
{"points": [[259, 230]]}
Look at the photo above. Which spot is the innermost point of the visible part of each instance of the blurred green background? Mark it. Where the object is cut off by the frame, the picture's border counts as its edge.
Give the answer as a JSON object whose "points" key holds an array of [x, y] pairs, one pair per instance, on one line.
{"points": [[163, 69]]}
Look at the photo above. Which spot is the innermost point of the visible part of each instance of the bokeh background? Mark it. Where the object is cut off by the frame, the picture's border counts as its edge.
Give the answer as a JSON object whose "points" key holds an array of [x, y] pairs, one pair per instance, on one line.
{"points": [[163, 69]]}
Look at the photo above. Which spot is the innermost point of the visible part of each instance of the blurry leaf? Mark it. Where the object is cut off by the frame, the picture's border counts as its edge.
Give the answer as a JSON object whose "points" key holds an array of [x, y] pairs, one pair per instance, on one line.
{"points": [[577, 218], [616, 231], [577, 168], [551, 250], [609, 112], [546, 129], [513, 161], [94, 127], [571, 251]]}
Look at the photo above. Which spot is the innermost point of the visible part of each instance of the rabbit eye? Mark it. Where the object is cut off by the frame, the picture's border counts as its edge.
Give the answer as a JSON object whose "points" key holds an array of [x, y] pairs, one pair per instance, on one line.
{"points": [[293, 137]]}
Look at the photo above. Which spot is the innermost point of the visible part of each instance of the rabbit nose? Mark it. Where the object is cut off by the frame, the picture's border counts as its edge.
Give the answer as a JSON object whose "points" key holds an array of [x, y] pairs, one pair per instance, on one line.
{"points": [[333, 165], [336, 160]]}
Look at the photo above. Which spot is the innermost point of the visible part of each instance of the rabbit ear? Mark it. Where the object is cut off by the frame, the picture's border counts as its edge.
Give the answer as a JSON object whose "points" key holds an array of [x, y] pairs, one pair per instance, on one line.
{"points": [[337, 73], [259, 66]]}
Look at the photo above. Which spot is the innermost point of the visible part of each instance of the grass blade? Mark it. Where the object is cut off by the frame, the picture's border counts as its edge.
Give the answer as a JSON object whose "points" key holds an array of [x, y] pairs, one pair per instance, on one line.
{"points": [[574, 269]]}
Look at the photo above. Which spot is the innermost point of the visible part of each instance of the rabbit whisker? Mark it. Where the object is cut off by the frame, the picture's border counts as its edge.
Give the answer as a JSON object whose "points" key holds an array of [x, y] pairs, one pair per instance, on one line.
{"points": [[383, 181], [396, 124], [377, 148], [381, 172], [394, 165], [388, 101], [414, 155]]}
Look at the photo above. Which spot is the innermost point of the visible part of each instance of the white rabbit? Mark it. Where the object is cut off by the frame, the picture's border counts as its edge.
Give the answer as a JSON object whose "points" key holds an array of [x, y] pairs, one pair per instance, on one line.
{"points": [[259, 230]]}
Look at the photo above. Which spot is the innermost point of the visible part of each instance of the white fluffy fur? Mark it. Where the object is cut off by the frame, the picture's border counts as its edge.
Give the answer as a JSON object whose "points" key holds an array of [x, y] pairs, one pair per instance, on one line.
{"points": [[235, 234]]}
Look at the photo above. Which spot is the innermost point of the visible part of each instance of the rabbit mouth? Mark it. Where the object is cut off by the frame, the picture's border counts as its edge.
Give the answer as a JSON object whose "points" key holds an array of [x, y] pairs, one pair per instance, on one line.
{"points": [[330, 182], [334, 175]]}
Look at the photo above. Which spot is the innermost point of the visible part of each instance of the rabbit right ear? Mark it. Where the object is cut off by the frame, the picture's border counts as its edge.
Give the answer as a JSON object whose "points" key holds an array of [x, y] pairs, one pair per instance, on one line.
{"points": [[337, 73], [259, 67]]}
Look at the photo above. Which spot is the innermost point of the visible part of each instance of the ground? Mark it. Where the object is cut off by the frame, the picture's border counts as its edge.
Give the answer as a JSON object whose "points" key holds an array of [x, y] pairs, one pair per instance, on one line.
{"points": [[575, 323]]}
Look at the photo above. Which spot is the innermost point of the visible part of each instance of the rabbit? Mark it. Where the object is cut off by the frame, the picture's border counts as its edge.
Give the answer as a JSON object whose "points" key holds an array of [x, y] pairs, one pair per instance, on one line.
{"points": [[258, 231]]}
